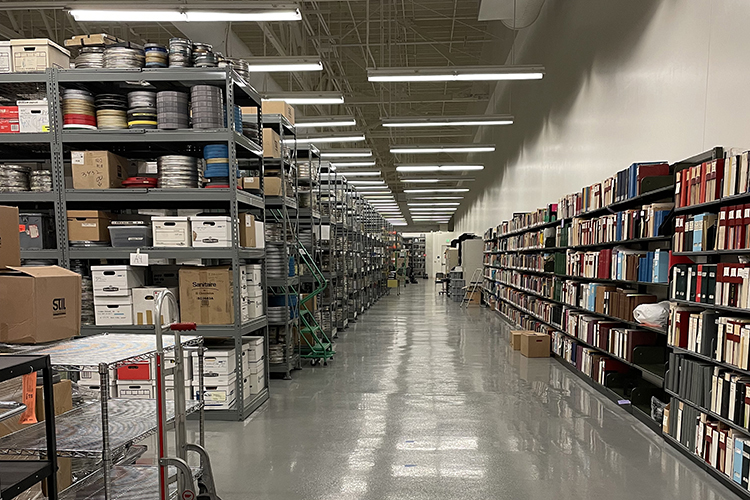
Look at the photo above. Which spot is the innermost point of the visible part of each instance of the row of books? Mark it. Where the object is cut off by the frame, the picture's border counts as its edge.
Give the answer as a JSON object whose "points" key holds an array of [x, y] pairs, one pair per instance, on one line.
{"points": [[633, 181], [547, 311], [644, 222], [723, 284], [700, 183], [620, 264], [522, 319], [720, 446], [534, 262], [695, 233], [543, 285], [612, 336], [609, 300], [723, 338], [521, 221], [588, 361], [733, 228]]}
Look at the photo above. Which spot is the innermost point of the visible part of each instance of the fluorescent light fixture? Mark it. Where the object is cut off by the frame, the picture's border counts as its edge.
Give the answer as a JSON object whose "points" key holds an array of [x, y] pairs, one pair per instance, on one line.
{"points": [[456, 73], [325, 121], [302, 98], [438, 198], [438, 168], [377, 189], [353, 164], [326, 139], [154, 15], [448, 121], [421, 181], [437, 203], [398, 223], [378, 192], [435, 181], [355, 173], [346, 153], [447, 190], [283, 64], [442, 148], [377, 198], [367, 183], [447, 210]]}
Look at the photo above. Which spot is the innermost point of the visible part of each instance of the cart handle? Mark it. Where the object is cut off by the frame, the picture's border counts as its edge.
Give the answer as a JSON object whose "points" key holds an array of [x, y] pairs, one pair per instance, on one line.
{"points": [[183, 327]]}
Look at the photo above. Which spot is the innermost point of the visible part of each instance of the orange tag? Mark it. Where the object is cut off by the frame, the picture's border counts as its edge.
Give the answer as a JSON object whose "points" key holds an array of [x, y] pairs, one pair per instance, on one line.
{"points": [[29, 399]]}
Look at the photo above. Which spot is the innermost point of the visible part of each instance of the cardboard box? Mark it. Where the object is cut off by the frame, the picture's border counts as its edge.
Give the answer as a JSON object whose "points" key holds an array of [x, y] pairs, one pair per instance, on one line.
{"points": [[88, 225], [535, 345], [38, 54], [117, 281], [251, 183], [271, 144], [40, 304], [311, 305], [33, 116], [10, 126], [166, 276], [8, 112], [144, 306], [272, 108], [10, 238], [206, 295], [247, 230], [98, 169], [171, 232], [272, 186], [515, 338], [211, 231], [6, 59]]}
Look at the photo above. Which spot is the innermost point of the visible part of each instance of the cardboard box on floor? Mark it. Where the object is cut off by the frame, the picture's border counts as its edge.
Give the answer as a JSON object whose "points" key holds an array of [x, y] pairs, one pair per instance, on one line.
{"points": [[40, 304], [515, 338], [206, 295], [535, 345], [10, 240]]}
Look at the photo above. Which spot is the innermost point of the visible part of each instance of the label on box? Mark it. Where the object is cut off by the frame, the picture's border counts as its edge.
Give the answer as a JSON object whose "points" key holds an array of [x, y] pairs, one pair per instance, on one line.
{"points": [[76, 158], [219, 396]]}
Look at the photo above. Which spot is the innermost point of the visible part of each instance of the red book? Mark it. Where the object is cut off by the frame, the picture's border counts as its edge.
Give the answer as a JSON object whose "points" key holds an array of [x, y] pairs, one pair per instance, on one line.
{"points": [[719, 176], [681, 329], [703, 178], [651, 170], [678, 188], [731, 227], [638, 338], [739, 231], [605, 263], [746, 226], [698, 281]]}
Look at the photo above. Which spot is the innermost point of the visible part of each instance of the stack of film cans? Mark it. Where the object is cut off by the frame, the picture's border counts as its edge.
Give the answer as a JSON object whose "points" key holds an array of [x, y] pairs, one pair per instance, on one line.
{"points": [[123, 58], [180, 52], [78, 109], [240, 66], [250, 127], [207, 106], [172, 110], [157, 55], [14, 178], [40, 181], [217, 165], [90, 57], [178, 172], [142, 113], [237, 119], [111, 111], [204, 56]]}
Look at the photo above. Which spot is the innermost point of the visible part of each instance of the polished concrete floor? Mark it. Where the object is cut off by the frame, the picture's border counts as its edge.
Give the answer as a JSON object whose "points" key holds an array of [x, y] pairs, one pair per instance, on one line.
{"points": [[427, 401]]}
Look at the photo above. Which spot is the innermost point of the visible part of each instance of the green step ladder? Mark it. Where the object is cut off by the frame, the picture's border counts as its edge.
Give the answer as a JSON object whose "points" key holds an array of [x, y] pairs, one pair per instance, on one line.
{"points": [[316, 345]]}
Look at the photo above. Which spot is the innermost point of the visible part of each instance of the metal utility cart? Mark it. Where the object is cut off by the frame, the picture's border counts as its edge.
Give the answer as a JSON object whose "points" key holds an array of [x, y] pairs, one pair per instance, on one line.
{"points": [[113, 426], [17, 476]]}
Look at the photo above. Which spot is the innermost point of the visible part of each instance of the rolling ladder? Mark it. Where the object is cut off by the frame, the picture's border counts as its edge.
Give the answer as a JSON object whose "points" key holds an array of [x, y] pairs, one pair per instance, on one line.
{"points": [[316, 346], [472, 288]]}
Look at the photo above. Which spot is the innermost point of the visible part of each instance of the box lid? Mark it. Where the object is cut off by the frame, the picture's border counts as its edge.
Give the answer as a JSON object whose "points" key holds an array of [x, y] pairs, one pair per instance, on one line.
{"points": [[122, 267], [210, 218], [252, 340], [23, 42], [41, 271], [36, 102], [96, 214], [170, 218]]}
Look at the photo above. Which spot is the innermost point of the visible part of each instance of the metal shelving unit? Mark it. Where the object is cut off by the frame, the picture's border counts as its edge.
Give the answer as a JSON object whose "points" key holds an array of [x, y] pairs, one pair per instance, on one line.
{"points": [[145, 144], [284, 212], [330, 262]]}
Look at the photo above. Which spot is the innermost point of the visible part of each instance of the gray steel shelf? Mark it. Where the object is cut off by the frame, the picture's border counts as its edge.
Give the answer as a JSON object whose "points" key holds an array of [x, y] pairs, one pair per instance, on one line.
{"points": [[309, 212], [278, 201], [47, 253], [27, 197], [29, 138], [203, 330], [189, 196], [130, 420], [291, 281], [277, 121], [165, 253]]}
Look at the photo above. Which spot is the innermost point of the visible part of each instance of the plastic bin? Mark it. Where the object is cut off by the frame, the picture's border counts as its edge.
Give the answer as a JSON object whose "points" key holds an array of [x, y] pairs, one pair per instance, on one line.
{"points": [[130, 236], [37, 231]]}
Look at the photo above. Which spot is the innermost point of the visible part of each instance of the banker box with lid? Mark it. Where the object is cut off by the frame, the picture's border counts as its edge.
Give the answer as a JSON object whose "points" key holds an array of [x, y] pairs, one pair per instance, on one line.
{"points": [[38, 54], [171, 231], [33, 116], [220, 397], [116, 280], [144, 306], [211, 231], [88, 225], [6, 59]]}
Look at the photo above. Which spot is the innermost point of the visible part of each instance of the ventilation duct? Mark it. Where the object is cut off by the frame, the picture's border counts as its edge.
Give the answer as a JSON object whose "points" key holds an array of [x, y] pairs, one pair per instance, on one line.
{"points": [[515, 14]]}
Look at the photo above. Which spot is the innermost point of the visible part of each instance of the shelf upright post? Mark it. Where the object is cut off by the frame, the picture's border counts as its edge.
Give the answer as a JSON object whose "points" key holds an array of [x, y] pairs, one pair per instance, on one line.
{"points": [[106, 451], [235, 217], [58, 170]]}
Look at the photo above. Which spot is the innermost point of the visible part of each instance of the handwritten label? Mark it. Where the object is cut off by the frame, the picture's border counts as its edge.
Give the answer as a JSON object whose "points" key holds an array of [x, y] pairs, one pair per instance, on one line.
{"points": [[139, 259]]}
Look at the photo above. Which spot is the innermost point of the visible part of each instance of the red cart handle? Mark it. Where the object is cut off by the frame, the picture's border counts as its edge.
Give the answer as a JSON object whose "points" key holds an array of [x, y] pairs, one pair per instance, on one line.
{"points": [[183, 327]]}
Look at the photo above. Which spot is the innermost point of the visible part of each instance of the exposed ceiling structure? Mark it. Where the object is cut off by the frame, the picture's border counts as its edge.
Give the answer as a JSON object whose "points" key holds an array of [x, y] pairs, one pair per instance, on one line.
{"points": [[350, 36]]}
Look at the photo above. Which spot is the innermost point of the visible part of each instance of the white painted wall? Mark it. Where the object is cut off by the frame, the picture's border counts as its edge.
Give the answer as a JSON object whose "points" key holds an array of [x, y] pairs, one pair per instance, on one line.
{"points": [[626, 81]]}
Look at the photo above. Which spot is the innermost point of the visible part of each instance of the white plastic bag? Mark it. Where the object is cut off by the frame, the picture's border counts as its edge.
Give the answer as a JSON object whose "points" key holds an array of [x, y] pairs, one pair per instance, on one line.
{"points": [[652, 314]]}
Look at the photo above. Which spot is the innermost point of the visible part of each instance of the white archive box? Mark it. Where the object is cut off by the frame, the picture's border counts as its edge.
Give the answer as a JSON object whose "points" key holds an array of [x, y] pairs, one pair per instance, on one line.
{"points": [[255, 307], [189, 394], [253, 350], [253, 274], [6, 59], [114, 314], [220, 397], [260, 235], [38, 54], [114, 300], [116, 280], [171, 232], [211, 231], [33, 116], [254, 291], [92, 377], [253, 383], [187, 365], [220, 361], [144, 306], [245, 312], [95, 389], [136, 390]]}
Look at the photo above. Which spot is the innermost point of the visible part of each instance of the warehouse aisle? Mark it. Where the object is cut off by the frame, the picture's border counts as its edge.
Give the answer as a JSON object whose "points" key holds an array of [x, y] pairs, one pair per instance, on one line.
{"points": [[426, 401]]}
